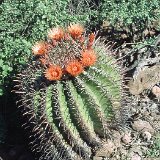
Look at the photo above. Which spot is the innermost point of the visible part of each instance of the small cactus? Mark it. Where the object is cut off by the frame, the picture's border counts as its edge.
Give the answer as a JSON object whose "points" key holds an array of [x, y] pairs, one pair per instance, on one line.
{"points": [[68, 94]]}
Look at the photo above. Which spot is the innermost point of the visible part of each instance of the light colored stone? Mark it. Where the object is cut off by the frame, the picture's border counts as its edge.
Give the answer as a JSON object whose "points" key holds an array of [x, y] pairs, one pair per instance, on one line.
{"points": [[117, 139], [135, 156], [127, 138], [97, 158], [145, 78], [147, 136], [156, 91], [106, 150], [142, 126], [136, 149]]}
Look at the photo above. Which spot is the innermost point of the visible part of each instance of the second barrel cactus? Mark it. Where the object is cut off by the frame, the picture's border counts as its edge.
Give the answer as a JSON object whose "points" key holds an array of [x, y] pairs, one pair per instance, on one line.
{"points": [[69, 94]]}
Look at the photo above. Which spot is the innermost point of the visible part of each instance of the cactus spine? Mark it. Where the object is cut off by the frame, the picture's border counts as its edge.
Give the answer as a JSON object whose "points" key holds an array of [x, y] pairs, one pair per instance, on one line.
{"points": [[68, 94]]}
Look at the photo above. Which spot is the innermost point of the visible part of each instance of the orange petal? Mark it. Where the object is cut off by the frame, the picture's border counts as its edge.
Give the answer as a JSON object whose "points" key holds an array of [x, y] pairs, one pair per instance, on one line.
{"points": [[88, 58], [53, 73], [91, 37], [39, 48], [74, 68], [91, 40], [56, 34], [75, 30]]}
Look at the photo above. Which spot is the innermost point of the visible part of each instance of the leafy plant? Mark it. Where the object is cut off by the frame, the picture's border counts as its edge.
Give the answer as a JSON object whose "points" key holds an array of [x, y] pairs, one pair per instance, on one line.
{"points": [[131, 19], [24, 22], [154, 151], [69, 94]]}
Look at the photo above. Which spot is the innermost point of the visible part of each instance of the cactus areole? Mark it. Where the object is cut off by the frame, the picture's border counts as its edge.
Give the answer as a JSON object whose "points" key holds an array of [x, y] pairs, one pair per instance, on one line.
{"points": [[68, 94]]}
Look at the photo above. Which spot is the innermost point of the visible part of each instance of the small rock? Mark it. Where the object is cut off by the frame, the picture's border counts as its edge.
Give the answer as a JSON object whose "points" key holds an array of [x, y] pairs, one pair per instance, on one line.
{"points": [[127, 138], [135, 156], [147, 136], [117, 139], [143, 126], [136, 149], [124, 36], [151, 33], [97, 158], [156, 91], [106, 150]]}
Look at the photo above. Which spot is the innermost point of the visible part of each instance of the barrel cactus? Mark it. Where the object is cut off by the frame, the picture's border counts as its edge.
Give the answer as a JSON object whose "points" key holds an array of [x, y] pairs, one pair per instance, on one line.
{"points": [[69, 94]]}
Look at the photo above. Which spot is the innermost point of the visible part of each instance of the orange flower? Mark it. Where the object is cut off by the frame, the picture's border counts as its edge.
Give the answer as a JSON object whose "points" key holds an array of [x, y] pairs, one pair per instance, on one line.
{"points": [[75, 30], [91, 37], [91, 40], [56, 34], [39, 48], [74, 68], [88, 58], [53, 73]]}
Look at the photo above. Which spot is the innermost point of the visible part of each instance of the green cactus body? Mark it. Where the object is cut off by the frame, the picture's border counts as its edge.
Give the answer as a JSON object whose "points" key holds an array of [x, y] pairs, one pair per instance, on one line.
{"points": [[68, 118]]}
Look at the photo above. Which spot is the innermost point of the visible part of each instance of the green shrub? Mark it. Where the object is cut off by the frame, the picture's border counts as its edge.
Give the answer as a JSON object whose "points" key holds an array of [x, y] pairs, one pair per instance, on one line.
{"points": [[132, 16], [154, 151], [24, 22]]}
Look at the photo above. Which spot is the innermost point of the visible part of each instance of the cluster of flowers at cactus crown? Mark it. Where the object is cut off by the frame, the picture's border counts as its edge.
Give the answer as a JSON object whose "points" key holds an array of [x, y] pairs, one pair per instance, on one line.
{"points": [[74, 66]]}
